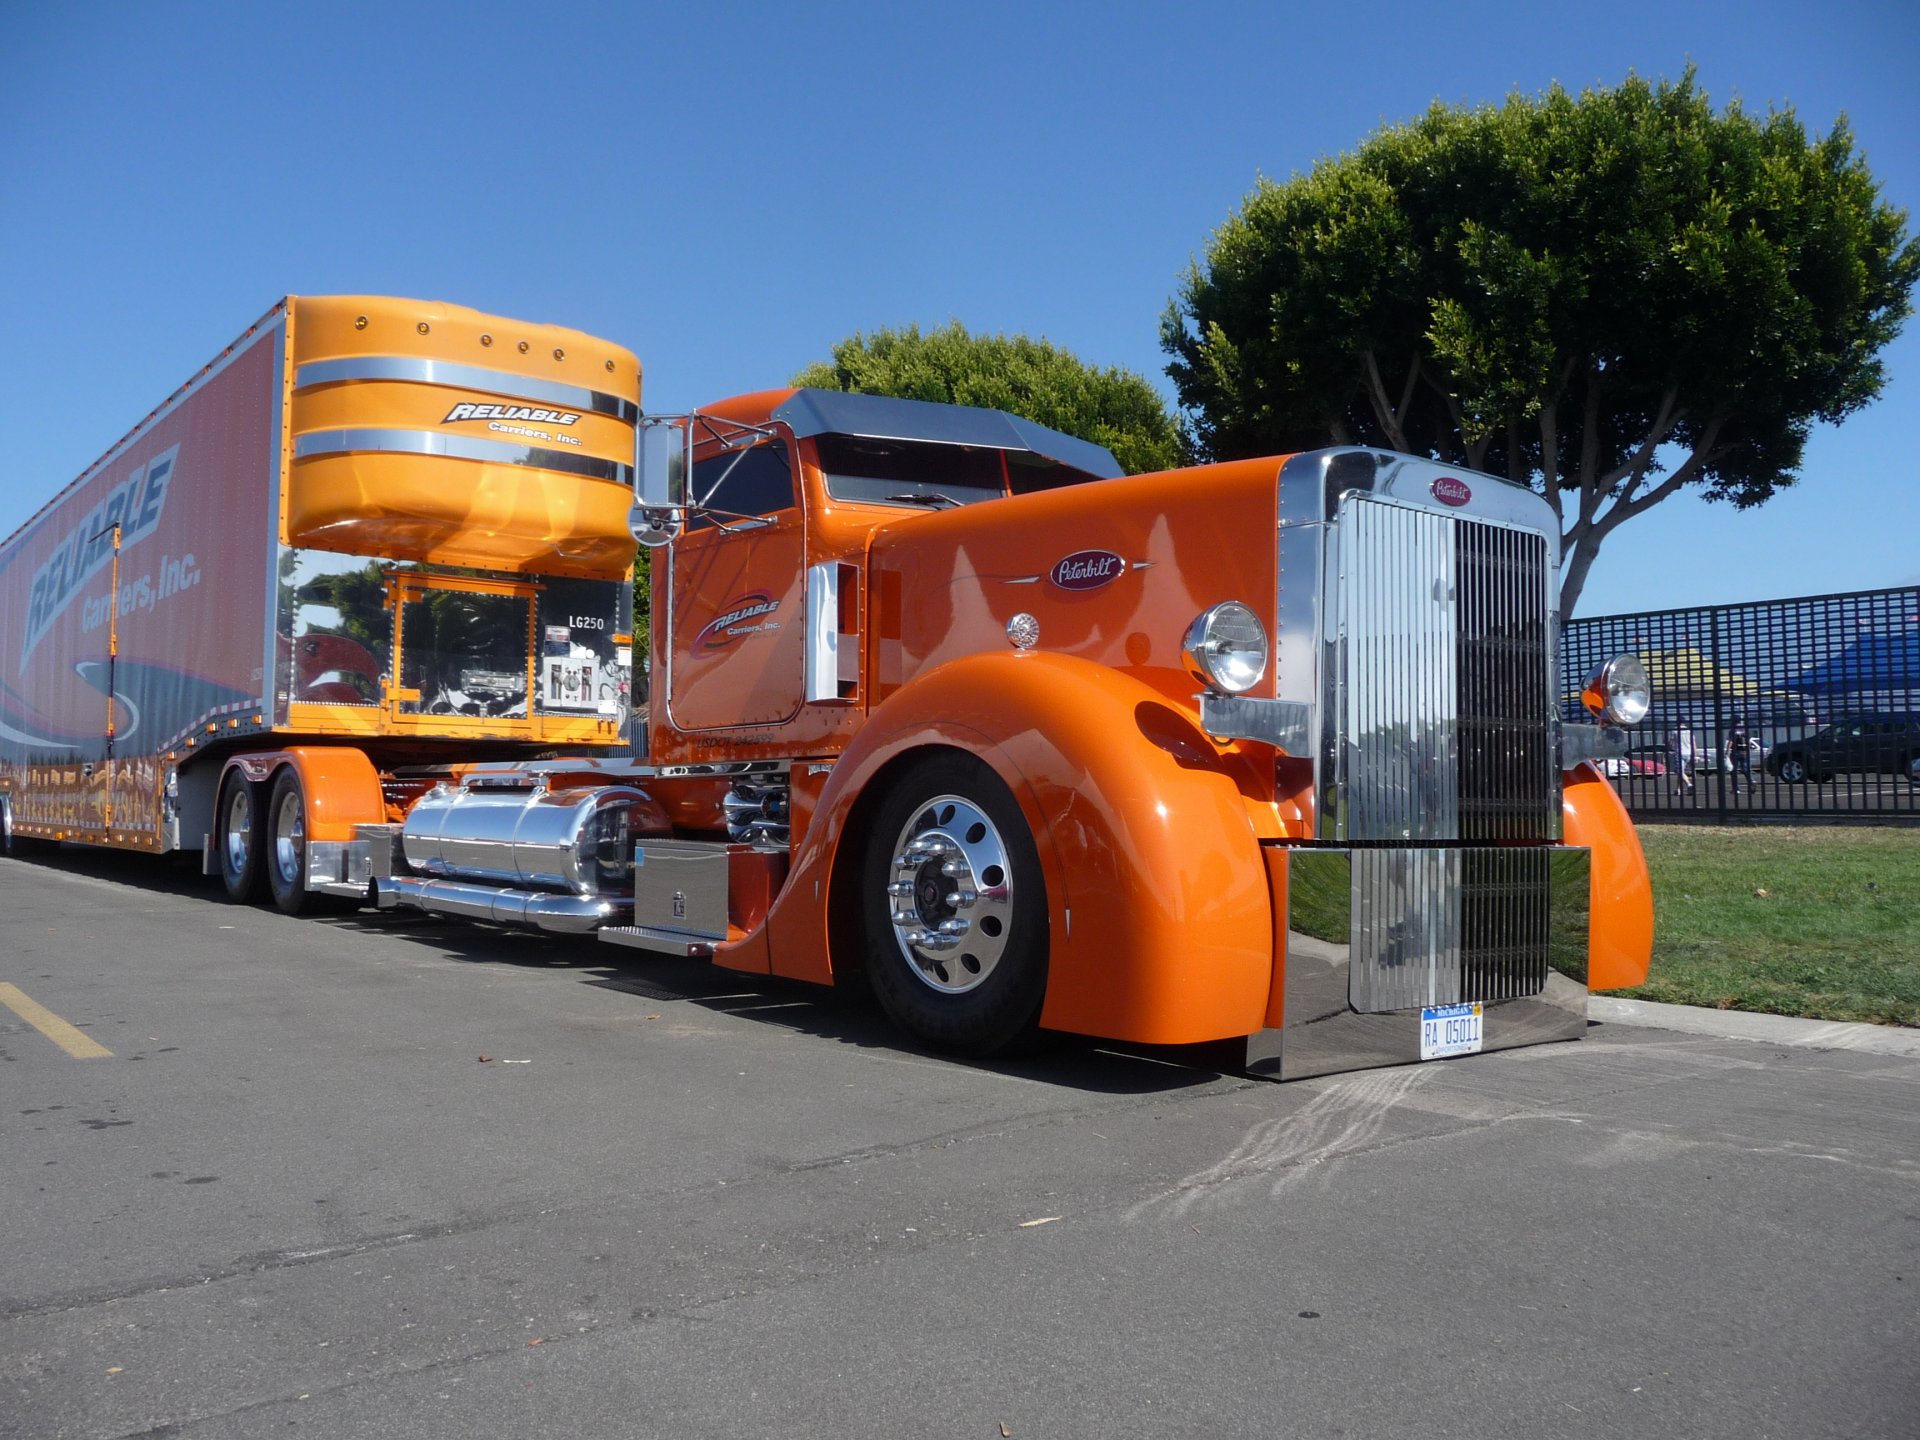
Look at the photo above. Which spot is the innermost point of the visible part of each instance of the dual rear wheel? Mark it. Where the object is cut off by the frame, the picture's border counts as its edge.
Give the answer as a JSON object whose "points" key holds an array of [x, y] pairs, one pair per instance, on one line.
{"points": [[261, 836]]}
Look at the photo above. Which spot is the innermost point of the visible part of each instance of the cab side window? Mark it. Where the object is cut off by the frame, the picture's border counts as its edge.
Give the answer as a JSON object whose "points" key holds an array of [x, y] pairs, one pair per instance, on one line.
{"points": [[756, 481]]}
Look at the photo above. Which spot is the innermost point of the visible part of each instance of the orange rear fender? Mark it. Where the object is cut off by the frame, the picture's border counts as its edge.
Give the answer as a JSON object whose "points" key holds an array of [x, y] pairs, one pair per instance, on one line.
{"points": [[341, 786], [1159, 911]]}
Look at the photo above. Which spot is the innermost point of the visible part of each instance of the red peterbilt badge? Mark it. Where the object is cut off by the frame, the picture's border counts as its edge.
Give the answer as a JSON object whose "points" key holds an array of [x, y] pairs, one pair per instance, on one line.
{"points": [[1449, 491], [1087, 570]]}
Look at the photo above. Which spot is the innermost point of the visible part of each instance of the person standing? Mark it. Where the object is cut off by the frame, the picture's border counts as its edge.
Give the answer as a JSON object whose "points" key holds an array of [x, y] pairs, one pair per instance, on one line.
{"points": [[1740, 754], [1683, 759]]}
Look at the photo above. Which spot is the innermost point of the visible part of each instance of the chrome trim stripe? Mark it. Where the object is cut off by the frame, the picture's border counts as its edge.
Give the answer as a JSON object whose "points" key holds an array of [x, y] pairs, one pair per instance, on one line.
{"points": [[458, 447], [464, 377]]}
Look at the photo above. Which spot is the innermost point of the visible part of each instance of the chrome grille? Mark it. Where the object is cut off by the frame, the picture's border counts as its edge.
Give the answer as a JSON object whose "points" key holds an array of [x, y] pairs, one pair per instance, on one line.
{"points": [[1439, 926], [1509, 786], [1443, 717]]}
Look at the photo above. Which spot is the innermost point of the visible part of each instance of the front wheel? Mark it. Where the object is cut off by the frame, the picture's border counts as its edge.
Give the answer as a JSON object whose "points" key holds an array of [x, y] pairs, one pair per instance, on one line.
{"points": [[955, 908], [1793, 770]]}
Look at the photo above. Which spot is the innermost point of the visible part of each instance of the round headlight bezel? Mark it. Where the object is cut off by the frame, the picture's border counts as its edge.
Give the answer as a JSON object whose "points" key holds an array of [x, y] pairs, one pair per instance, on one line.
{"points": [[1619, 691], [1220, 649]]}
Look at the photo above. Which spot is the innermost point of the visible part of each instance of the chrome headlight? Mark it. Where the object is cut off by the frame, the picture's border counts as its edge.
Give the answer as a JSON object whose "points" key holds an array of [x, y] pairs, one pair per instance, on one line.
{"points": [[1619, 691], [1226, 647]]}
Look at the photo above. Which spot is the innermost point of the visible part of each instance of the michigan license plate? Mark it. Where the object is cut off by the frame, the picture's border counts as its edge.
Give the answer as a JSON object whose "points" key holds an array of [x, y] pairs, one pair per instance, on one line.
{"points": [[1450, 1030]]}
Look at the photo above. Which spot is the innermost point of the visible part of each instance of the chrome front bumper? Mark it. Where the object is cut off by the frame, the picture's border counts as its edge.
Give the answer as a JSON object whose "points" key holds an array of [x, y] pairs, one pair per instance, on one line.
{"points": [[1375, 935]]}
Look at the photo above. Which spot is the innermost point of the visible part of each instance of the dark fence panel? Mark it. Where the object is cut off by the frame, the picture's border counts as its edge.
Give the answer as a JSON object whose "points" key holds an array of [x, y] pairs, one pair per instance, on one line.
{"points": [[1824, 689]]}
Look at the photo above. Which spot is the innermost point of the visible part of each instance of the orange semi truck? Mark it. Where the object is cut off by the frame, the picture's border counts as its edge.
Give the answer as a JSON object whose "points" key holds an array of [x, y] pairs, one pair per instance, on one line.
{"points": [[1265, 754]]}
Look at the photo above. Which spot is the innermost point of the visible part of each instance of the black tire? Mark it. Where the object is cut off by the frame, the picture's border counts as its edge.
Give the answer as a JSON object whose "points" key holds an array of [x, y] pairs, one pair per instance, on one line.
{"points": [[1793, 770], [239, 838], [976, 987], [284, 857]]}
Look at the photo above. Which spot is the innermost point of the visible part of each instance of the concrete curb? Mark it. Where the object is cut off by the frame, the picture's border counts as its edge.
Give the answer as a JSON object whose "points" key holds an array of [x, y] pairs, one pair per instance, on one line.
{"points": [[1744, 1025]]}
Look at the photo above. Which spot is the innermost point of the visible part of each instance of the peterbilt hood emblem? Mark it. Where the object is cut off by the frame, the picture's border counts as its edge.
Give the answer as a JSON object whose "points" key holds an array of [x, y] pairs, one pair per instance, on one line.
{"points": [[1087, 570], [1449, 491]]}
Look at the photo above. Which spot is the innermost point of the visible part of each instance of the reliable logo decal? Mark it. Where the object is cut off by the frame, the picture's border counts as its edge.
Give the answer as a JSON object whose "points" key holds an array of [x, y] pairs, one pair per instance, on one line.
{"points": [[467, 411], [1449, 491], [1087, 570], [135, 505], [743, 616]]}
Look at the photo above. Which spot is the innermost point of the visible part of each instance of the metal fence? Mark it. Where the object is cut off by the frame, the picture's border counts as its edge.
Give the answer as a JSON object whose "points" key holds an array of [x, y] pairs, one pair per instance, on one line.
{"points": [[1824, 691]]}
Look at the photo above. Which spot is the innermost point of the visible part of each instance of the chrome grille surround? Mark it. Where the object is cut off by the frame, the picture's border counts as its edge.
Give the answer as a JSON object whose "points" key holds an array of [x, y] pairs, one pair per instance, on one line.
{"points": [[1422, 636], [1441, 707]]}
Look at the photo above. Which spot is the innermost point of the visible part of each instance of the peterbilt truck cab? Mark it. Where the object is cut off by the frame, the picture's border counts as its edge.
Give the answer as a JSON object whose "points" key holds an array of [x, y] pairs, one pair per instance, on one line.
{"points": [[1264, 754]]}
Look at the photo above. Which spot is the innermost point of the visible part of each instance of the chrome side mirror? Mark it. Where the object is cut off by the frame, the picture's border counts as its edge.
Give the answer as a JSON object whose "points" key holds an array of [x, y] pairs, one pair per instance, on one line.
{"points": [[660, 480]]}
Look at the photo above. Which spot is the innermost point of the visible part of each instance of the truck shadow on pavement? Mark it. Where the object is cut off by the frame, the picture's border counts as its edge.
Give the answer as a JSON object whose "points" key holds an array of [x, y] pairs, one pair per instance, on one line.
{"points": [[846, 1017]]}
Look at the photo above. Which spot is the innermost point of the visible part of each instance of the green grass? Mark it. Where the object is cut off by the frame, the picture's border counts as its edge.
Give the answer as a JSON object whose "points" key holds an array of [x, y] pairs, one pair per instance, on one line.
{"points": [[1821, 921]]}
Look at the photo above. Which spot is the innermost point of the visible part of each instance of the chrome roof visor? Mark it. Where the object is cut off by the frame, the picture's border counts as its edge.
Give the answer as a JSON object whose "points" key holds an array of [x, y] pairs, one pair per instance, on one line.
{"points": [[883, 417]]}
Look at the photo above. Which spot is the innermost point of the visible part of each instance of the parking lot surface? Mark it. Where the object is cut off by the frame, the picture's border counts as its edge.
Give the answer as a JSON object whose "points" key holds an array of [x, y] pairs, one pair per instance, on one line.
{"points": [[373, 1177]]}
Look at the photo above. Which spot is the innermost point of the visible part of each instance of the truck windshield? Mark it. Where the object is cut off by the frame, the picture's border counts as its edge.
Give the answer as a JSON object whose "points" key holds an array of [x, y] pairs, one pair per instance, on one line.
{"points": [[916, 472]]}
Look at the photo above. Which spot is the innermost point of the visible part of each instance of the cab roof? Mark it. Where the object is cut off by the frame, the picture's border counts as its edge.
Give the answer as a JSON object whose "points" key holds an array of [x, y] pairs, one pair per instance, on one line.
{"points": [[883, 417]]}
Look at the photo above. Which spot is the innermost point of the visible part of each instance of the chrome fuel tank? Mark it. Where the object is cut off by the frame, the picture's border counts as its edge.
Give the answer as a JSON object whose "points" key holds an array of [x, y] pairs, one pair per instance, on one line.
{"points": [[574, 840]]}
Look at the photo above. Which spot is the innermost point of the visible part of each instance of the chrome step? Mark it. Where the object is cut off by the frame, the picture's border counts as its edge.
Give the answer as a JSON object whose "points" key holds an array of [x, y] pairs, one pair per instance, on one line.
{"points": [[660, 941]]}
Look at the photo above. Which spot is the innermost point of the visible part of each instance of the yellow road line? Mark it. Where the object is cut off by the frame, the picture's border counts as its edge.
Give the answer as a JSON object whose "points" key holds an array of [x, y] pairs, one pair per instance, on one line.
{"points": [[52, 1026]]}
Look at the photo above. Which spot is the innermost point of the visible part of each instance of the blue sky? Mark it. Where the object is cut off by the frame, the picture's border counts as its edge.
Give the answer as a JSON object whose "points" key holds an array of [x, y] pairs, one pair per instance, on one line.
{"points": [[728, 189]]}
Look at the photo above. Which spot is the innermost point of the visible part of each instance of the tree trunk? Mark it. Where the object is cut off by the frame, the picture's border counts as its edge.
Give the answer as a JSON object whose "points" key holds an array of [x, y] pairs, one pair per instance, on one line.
{"points": [[1573, 573]]}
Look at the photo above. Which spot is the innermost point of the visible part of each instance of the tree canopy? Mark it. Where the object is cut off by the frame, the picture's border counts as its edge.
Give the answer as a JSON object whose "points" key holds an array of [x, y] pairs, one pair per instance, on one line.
{"points": [[1609, 297], [1030, 378]]}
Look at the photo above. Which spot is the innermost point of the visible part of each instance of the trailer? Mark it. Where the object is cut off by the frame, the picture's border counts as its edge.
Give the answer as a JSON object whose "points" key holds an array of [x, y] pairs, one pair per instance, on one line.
{"points": [[371, 541], [1266, 756]]}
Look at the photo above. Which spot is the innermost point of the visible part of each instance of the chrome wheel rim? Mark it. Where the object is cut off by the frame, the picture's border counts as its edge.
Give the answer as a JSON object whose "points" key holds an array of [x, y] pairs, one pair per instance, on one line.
{"points": [[950, 895], [239, 829], [289, 839]]}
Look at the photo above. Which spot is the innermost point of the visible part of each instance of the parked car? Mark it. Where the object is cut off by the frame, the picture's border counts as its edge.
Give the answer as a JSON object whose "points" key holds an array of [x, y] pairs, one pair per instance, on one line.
{"points": [[1641, 760], [1873, 744]]}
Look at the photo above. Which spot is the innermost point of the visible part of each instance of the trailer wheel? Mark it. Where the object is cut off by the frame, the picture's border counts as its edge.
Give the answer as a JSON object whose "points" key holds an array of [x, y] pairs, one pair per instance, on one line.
{"points": [[286, 847], [239, 838], [955, 908]]}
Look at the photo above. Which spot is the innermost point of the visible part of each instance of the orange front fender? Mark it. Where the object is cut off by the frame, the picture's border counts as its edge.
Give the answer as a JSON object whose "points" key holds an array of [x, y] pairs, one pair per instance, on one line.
{"points": [[1158, 905], [1620, 927]]}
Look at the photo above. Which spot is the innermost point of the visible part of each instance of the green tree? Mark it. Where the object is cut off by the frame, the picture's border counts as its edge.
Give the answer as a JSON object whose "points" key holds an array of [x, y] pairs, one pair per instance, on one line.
{"points": [[1609, 297], [1030, 378]]}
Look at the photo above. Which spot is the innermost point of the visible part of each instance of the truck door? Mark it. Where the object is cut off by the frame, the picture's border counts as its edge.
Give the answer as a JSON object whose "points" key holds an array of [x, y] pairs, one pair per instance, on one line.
{"points": [[736, 652]]}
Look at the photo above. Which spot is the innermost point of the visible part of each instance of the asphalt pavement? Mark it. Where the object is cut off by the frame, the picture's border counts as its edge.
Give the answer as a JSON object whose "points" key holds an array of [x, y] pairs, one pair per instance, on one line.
{"points": [[369, 1176]]}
